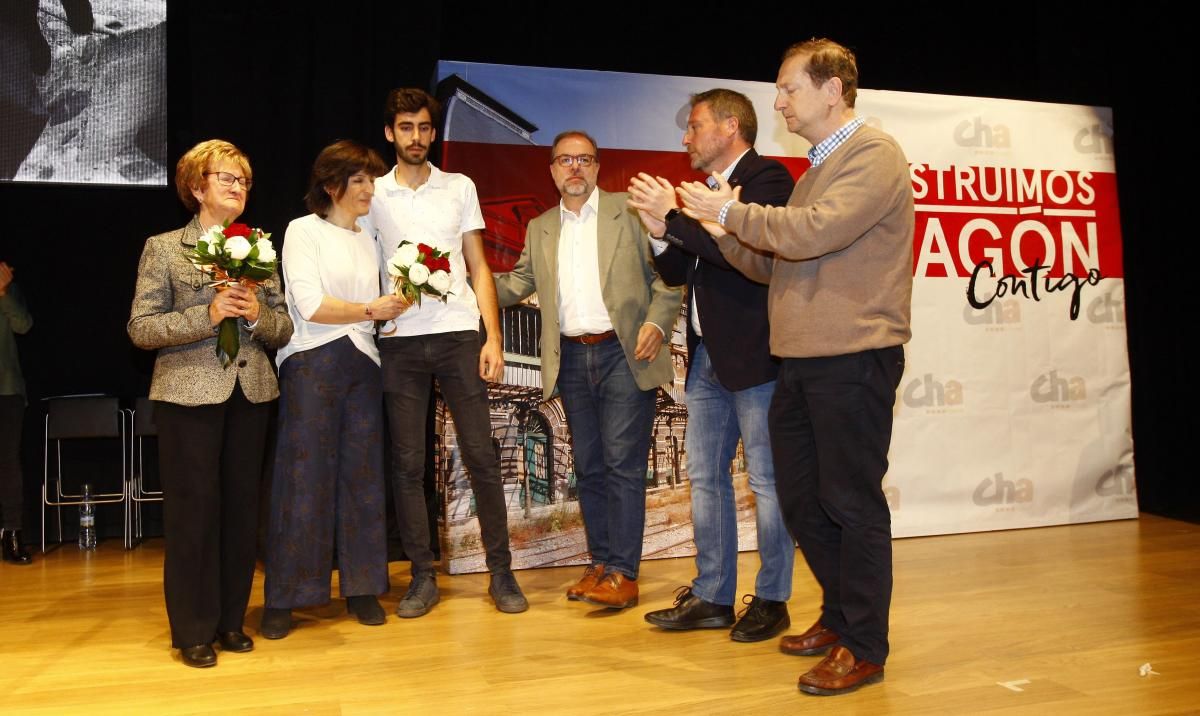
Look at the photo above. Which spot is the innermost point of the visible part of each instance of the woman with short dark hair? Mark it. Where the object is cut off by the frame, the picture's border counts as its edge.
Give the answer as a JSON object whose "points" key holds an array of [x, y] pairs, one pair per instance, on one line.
{"points": [[328, 485]]}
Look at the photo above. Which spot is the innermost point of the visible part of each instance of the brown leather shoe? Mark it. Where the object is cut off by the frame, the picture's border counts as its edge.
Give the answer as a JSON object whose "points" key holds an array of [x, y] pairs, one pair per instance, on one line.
{"points": [[591, 575], [839, 673], [614, 590], [815, 641]]}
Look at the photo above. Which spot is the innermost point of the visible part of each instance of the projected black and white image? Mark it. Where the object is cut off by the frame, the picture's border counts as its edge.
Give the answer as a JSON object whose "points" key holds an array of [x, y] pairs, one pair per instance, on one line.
{"points": [[83, 91]]}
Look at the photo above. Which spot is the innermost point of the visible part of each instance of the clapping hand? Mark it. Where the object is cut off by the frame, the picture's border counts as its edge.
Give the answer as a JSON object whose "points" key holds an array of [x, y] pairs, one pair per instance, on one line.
{"points": [[653, 197], [704, 204]]}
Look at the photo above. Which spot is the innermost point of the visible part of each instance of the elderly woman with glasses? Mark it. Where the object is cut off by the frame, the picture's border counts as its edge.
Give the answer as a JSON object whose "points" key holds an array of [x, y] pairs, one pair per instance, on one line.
{"points": [[328, 486], [212, 420]]}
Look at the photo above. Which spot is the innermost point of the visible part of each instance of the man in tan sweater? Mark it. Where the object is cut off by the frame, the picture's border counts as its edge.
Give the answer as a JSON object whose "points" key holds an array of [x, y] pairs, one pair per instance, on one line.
{"points": [[838, 259]]}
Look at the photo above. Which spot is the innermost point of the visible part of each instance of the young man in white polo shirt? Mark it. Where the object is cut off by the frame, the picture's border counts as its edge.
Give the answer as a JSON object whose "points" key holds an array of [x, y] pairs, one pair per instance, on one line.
{"points": [[419, 203]]}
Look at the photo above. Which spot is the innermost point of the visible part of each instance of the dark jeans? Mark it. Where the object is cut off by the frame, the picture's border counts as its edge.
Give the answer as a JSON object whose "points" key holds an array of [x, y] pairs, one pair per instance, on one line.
{"points": [[12, 414], [453, 358], [210, 459], [328, 483], [831, 426], [610, 419]]}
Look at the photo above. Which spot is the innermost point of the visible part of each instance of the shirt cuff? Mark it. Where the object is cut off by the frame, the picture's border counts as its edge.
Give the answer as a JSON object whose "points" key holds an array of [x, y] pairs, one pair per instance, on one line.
{"points": [[657, 245]]}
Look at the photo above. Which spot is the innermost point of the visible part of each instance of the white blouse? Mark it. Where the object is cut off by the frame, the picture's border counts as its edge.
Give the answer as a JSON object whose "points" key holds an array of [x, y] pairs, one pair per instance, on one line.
{"points": [[321, 259]]}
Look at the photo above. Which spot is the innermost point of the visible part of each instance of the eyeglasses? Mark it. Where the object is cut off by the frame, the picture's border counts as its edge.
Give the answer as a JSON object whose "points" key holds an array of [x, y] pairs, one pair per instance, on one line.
{"points": [[227, 179], [569, 160]]}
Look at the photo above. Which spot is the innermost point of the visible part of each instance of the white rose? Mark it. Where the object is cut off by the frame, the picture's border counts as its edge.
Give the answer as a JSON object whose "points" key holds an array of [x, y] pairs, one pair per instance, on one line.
{"points": [[439, 281], [211, 238], [237, 247], [418, 274], [266, 251], [406, 255], [394, 270]]}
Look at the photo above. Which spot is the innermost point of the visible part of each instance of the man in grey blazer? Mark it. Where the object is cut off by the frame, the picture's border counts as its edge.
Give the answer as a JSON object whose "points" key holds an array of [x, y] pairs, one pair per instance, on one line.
{"points": [[606, 315]]}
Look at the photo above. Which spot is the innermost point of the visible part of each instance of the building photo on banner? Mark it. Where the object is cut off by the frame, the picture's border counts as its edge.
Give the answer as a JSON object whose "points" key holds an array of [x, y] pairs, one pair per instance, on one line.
{"points": [[83, 91], [1014, 407]]}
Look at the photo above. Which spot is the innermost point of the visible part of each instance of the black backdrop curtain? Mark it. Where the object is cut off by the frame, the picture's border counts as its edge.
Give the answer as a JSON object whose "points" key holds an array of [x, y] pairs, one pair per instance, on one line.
{"points": [[281, 80]]}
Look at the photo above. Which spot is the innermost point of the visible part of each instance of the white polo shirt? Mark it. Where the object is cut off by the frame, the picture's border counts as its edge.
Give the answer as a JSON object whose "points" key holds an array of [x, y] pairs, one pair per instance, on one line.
{"points": [[437, 213]]}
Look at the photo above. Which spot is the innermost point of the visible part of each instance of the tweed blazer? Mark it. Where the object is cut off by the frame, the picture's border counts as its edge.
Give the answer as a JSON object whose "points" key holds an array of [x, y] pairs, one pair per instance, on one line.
{"points": [[170, 315], [633, 292]]}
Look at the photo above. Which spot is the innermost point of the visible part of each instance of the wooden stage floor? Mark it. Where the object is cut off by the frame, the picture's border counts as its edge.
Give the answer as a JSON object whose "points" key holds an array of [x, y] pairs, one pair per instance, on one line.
{"points": [[1053, 620]]}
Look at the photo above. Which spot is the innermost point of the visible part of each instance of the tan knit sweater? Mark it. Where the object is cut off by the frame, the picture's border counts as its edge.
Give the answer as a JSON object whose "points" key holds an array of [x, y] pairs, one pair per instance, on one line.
{"points": [[841, 272]]}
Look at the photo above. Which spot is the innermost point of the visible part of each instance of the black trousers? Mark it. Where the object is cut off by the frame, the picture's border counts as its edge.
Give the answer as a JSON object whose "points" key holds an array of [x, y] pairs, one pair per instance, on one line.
{"points": [[12, 414], [210, 459], [831, 426], [409, 362]]}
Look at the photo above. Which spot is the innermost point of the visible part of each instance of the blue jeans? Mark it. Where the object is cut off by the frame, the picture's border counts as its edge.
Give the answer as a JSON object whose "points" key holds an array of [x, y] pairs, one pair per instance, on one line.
{"points": [[716, 418], [610, 419]]}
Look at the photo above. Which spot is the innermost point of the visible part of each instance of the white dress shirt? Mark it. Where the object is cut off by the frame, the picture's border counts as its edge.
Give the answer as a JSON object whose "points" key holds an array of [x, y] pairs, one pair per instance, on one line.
{"points": [[581, 306]]}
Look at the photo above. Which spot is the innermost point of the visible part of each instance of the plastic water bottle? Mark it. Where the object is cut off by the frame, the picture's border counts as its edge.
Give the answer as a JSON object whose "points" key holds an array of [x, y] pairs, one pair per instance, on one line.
{"points": [[87, 520]]}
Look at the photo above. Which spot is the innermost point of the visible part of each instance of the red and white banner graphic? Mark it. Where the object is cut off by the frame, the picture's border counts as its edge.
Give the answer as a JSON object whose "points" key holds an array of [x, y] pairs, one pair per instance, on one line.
{"points": [[1014, 410]]}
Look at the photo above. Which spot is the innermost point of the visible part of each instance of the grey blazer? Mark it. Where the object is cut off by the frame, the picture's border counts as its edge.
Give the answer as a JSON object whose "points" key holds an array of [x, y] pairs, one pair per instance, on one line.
{"points": [[170, 314], [634, 293]]}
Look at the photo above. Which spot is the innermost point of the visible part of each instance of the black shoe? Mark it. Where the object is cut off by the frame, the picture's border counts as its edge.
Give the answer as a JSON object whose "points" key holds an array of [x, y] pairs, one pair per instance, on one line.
{"points": [[506, 593], [234, 641], [200, 656], [691, 612], [422, 594], [276, 623], [13, 551], [366, 608], [763, 619]]}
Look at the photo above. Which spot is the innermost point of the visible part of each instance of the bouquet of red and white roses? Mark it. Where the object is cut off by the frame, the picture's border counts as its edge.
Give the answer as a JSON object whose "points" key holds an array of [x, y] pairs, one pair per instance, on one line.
{"points": [[233, 254], [420, 269]]}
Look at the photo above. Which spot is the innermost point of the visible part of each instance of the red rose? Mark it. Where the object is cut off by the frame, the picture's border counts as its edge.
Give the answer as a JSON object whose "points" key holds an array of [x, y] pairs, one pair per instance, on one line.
{"points": [[427, 250], [442, 264], [237, 230]]}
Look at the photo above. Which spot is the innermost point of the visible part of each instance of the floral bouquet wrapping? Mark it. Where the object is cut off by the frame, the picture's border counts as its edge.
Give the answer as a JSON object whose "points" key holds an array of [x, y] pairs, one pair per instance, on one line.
{"points": [[233, 254], [420, 269]]}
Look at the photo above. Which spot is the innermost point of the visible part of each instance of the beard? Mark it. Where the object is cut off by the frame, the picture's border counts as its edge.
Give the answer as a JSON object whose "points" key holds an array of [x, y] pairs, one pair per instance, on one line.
{"points": [[403, 155], [577, 188], [703, 156]]}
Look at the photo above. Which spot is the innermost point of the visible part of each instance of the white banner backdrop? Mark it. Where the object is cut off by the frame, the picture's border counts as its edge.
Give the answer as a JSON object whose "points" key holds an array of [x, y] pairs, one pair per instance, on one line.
{"points": [[1014, 410]]}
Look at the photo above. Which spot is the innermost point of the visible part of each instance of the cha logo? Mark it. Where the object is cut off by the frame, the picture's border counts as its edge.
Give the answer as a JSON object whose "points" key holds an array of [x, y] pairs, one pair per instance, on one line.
{"points": [[1095, 139], [996, 490], [927, 392], [998, 313], [978, 133], [1116, 483], [1106, 309], [1052, 388]]}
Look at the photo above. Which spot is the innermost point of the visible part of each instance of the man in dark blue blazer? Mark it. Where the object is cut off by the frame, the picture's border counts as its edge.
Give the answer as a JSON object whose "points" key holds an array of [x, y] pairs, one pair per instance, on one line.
{"points": [[731, 375]]}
